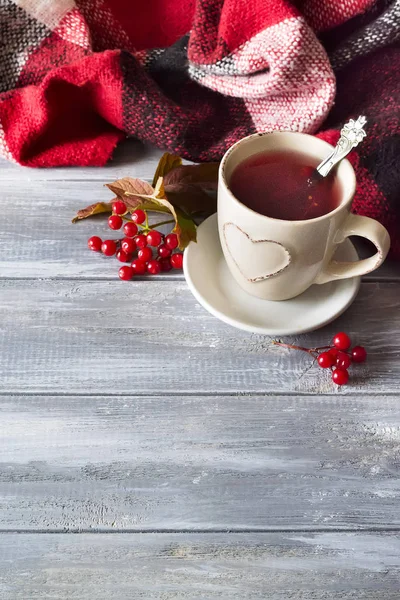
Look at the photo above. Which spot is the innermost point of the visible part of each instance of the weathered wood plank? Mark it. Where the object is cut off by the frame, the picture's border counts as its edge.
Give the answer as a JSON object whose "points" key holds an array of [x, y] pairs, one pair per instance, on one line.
{"points": [[102, 337], [327, 566], [39, 240], [130, 158], [199, 462]]}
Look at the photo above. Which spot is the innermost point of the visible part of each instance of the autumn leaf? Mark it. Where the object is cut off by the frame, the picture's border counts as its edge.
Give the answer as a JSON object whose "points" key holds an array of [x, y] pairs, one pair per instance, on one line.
{"points": [[159, 191], [185, 227], [179, 190], [166, 163], [192, 188], [126, 189], [129, 190], [204, 176], [93, 209], [147, 200], [184, 186], [192, 199]]}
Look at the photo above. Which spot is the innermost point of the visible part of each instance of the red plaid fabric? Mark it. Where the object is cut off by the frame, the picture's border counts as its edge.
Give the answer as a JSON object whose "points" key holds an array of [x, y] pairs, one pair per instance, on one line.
{"points": [[193, 77]]}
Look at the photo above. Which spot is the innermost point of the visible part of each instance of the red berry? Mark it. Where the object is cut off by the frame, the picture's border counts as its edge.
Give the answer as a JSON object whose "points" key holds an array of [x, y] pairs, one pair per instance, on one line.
{"points": [[163, 251], [123, 256], [171, 241], [139, 216], [118, 207], [340, 376], [115, 222], [109, 247], [94, 243], [153, 267], [125, 273], [343, 360], [326, 360], [128, 245], [342, 341], [130, 229], [140, 240], [333, 352], [139, 267], [154, 238], [165, 264], [177, 260], [359, 354], [145, 254]]}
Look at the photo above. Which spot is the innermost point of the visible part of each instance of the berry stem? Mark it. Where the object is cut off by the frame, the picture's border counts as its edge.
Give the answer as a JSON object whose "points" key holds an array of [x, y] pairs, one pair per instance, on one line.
{"points": [[146, 228], [294, 347], [162, 223]]}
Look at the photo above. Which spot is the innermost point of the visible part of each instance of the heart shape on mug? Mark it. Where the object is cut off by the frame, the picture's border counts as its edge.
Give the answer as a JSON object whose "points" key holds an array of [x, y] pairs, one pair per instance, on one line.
{"points": [[256, 260]]}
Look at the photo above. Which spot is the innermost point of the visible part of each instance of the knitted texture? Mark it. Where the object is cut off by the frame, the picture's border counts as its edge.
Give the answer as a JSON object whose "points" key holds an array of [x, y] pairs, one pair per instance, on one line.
{"points": [[193, 77]]}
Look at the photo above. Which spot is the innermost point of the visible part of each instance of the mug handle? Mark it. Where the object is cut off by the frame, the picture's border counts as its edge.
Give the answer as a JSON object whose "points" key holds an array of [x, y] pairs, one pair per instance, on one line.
{"points": [[364, 227]]}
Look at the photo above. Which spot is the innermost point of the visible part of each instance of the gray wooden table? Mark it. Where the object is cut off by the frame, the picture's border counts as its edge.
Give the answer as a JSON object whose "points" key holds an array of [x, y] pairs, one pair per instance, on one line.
{"points": [[148, 450]]}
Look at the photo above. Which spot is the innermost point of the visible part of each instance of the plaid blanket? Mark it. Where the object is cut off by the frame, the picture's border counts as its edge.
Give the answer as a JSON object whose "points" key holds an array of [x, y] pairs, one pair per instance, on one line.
{"points": [[193, 77]]}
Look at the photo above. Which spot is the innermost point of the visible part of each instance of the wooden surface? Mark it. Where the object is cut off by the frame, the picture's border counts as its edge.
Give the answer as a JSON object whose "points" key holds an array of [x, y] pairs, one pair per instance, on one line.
{"points": [[145, 463], [148, 450], [156, 566]]}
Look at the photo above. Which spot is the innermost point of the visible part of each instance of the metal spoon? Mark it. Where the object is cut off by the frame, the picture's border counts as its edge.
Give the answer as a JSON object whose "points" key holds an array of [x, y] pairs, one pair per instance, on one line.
{"points": [[351, 135]]}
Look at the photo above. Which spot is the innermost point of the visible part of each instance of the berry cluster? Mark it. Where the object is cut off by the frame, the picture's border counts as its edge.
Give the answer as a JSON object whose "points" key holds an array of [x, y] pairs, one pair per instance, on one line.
{"points": [[338, 357], [136, 246]]}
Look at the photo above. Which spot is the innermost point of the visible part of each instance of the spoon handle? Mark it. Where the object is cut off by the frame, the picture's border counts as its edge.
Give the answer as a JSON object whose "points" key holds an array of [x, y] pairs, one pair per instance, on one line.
{"points": [[351, 135]]}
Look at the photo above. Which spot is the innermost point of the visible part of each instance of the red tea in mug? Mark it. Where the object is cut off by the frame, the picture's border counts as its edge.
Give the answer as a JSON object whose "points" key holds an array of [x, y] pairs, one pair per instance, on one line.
{"points": [[278, 185]]}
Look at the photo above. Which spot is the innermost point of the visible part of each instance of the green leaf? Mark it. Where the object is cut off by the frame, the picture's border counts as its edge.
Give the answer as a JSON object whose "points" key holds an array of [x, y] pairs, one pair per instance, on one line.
{"points": [[93, 209], [166, 163]]}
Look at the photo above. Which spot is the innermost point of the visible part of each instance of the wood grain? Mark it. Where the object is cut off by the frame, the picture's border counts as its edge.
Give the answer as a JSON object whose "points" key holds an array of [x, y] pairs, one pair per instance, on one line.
{"points": [[38, 239], [114, 337], [201, 462], [127, 410], [130, 158], [325, 566]]}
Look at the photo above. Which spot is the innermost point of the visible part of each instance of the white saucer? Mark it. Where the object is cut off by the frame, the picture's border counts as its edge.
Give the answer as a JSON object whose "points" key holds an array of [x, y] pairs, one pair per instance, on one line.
{"points": [[212, 284]]}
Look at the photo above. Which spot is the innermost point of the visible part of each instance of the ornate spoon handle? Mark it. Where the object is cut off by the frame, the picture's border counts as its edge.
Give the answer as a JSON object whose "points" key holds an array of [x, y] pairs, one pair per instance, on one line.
{"points": [[351, 135]]}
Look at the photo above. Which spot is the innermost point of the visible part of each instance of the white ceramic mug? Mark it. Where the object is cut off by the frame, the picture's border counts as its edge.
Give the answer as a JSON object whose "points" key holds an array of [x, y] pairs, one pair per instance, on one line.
{"points": [[276, 259]]}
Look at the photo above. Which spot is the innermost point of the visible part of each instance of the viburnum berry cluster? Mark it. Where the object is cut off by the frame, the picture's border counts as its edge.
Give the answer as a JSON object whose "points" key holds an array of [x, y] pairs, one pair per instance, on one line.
{"points": [[338, 356], [137, 246]]}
